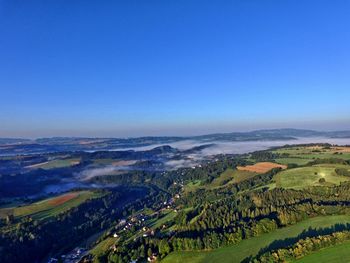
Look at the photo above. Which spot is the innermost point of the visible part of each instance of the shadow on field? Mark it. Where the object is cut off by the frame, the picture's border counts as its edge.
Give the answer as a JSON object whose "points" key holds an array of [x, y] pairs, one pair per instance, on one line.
{"points": [[310, 232]]}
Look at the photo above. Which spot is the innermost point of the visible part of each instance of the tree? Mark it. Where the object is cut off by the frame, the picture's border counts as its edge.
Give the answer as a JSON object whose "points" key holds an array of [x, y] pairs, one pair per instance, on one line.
{"points": [[164, 248], [9, 219]]}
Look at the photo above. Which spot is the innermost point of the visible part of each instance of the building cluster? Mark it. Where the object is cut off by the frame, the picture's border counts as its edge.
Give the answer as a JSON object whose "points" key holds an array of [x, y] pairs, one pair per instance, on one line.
{"points": [[72, 257], [135, 222]]}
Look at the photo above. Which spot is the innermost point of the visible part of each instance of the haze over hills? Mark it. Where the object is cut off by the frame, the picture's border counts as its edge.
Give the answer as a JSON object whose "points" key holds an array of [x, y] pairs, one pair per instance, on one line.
{"points": [[56, 144], [159, 198]]}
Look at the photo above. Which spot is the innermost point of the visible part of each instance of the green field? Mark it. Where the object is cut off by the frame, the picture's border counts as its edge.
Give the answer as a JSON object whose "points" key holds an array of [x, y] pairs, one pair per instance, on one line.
{"points": [[192, 186], [56, 164], [224, 178], [291, 160], [153, 223], [303, 155], [236, 176], [333, 165], [230, 176], [103, 246], [299, 178], [248, 247], [337, 253], [50, 207], [104, 161], [167, 215]]}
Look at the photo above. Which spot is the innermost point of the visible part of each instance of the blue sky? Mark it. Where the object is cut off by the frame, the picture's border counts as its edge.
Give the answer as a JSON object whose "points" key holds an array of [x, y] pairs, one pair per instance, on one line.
{"points": [[130, 68]]}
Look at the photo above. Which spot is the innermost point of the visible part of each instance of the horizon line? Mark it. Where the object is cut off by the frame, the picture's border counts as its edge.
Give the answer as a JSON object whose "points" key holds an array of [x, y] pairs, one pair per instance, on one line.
{"points": [[167, 136]]}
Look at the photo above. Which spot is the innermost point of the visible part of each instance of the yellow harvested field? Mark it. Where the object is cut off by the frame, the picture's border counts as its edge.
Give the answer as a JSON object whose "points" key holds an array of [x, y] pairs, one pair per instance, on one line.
{"points": [[261, 167], [341, 149]]}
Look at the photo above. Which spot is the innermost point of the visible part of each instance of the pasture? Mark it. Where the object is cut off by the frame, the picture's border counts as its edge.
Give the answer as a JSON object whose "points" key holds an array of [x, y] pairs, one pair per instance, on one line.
{"points": [[103, 246], [302, 155], [337, 253], [250, 247], [50, 207], [192, 186], [59, 163], [230, 176], [166, 216], [114, 162], [293, 160], [299, 178]]}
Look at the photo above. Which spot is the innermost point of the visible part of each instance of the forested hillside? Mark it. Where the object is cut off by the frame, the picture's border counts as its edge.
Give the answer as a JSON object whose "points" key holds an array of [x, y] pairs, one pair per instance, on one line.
{"points": [[268, 206]]}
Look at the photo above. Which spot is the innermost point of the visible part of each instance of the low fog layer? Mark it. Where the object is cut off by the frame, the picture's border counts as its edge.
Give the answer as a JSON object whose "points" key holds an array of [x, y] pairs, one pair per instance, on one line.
{"points": [[223, 147], [183, 159], [217, 147], [94, 172]]}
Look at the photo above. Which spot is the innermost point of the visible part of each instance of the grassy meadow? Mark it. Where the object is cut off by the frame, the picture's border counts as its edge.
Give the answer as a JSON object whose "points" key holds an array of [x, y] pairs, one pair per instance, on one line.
{"points": [[303, 155], [230, 176], [337, 253], [59, 163], [50, 207], [250, 247], [302, 177]]}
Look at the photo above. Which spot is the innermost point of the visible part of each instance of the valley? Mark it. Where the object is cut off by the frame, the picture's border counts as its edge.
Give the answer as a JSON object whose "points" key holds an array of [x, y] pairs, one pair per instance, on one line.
{"points": [[125, 206]]}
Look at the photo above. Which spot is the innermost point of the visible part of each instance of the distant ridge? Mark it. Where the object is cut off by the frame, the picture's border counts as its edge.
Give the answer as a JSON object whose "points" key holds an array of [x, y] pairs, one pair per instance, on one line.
{"points": [[283, 133], [13, 140]]}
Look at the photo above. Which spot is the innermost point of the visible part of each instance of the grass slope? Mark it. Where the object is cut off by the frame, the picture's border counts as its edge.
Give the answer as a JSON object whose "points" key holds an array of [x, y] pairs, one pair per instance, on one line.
{"points": [[230, 176], [50, 207], [103, 246], [56, 164], [248, 247], [303, 155], [291, 160], [337, 253], [299, 178]]}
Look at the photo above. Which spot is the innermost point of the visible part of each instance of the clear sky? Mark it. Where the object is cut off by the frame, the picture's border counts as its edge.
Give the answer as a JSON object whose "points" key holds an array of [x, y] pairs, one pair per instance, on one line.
{"points": [[130, 68]]}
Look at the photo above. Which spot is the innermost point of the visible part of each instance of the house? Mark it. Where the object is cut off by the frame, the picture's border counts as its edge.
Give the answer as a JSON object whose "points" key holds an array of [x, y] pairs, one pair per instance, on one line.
{"points": [[152, 258], [122, 222], [114, 248]]}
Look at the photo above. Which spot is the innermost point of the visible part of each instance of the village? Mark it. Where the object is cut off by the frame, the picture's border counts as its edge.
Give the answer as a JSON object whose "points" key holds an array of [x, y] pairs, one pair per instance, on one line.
{"points": [[135, 226]]}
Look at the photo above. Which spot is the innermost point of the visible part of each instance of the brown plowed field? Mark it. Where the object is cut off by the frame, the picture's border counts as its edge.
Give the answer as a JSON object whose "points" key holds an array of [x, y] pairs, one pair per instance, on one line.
{"points": [[62, 199]]}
